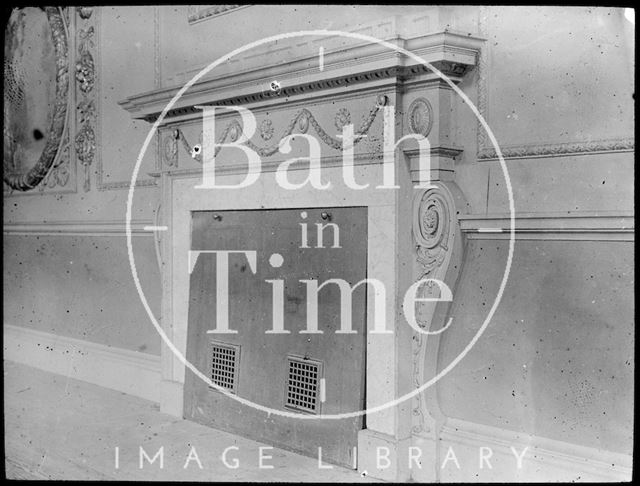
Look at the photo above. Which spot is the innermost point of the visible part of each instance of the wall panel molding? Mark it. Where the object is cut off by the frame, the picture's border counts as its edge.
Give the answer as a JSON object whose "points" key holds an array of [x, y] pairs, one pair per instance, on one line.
{"points": [[586, 226], [486, 150], [101, 179], [119, 369], [558, 149], [545, 459]]}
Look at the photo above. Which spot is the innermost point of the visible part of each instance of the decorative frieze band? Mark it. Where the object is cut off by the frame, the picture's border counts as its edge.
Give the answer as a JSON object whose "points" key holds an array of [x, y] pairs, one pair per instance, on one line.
{"points": [[554, 150], [285, 92], [198, 13], [302, 120]]}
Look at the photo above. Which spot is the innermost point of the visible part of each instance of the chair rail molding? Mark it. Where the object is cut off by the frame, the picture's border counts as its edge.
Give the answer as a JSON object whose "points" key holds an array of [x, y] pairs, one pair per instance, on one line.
{"points": [[584, 225], [76, 228]]}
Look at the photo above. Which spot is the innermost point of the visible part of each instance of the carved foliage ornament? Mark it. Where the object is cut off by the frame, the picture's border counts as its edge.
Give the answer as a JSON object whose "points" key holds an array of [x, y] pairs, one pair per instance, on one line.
{"points": [[343, 117], [85, 67], [16, 117], [85, 74], [266, 129]]}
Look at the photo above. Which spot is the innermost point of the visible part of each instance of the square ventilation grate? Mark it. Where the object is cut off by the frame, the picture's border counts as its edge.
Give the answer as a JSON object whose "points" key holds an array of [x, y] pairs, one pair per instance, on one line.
{"points": [[224, 365], [303, 384]]}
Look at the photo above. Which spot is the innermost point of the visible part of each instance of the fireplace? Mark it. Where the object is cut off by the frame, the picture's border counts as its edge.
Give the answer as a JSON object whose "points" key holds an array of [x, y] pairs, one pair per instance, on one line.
{"points": [[390, 227]]}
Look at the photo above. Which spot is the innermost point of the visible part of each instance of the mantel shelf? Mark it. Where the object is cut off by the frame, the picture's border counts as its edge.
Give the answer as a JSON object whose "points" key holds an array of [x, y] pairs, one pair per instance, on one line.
{"points": [[353, 68]]}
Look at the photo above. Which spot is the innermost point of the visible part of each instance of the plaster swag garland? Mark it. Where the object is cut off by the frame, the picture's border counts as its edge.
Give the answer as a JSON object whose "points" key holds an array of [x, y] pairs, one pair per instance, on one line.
{"points": [[302, 120]]}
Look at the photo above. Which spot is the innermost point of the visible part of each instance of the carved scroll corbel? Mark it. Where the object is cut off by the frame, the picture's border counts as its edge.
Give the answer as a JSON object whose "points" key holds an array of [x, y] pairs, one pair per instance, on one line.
{"points": [[438, 245]]}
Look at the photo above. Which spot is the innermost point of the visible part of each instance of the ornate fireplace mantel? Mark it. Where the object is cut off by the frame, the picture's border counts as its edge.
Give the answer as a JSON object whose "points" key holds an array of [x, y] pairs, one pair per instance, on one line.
{"points": [[353, 86]]}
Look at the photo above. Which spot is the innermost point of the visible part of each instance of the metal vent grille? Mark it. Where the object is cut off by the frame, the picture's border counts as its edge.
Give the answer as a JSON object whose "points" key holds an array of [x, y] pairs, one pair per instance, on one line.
{"points": [[303, 384], [224, 365]]}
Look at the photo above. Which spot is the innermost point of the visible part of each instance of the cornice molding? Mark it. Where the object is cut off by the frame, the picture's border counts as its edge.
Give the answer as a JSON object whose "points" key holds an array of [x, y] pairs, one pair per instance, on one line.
{"points": [[355, 67], [200, 13]]}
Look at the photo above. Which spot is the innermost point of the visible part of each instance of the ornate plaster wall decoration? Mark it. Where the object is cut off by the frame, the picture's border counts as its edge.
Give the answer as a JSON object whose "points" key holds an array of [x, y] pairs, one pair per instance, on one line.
{"points": [[85, 75], [551, 150], [84, 12], [198, 13], [235, 129], [24, 138], [85, 67], [85, 150], [420, 116], [169, 148], [59, 174], [302, 120], [303, 123]]}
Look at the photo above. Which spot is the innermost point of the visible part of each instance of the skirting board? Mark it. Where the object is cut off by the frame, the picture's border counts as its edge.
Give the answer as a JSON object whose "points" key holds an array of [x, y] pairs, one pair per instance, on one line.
{"points": [[119, 369], [545, 460]]}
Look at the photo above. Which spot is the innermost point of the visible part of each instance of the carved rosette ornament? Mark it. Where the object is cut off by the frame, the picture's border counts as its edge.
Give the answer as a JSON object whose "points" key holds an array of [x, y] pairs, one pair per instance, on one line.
{"points": [[433, 227], [266, 129], [170, 148], [420, 117]]}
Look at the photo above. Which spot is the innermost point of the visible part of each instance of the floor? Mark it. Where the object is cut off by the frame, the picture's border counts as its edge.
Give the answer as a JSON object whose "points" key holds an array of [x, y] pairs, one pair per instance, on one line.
{"points": [[61, 428]]}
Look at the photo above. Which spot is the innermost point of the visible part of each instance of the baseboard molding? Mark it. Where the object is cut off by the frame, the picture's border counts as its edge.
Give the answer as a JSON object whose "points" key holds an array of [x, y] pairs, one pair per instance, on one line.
{"points": [[545, 460], [119, 369]]}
